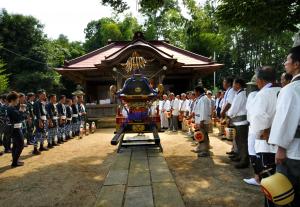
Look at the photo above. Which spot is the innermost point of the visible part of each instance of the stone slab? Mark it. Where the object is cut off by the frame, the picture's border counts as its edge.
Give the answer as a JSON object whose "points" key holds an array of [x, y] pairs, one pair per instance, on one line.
{"points": [[121, 163], [155, 154], [111, 196], [141, 164], [139, 197], [161, 175], [167, 195], [124, 152], [139, 177], [139, 154], [157, 162], [116, 177]]}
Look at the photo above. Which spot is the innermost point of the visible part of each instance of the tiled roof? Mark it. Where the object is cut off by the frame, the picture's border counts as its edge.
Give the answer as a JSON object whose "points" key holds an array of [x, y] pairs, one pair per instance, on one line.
{"points": [[115, 50]]}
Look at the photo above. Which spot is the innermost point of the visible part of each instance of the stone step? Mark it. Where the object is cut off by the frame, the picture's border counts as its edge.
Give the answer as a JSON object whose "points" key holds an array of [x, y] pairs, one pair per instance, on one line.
{"points": [[111, 196], [140, 178]]}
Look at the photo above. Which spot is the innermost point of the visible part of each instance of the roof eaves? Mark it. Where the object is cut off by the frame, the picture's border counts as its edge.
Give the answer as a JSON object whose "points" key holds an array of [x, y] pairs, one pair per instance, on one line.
{"points": [[201, 57], [88, 55]]}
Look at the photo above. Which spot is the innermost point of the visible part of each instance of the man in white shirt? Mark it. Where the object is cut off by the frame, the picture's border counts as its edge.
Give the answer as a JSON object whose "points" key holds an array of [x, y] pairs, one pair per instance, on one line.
{"points": [[285, 131], [227, 101], [183, 110], [202, 117], [164, 107], [228, 96], [262, 114], [252, 90], [175, 104], [238, 117]]}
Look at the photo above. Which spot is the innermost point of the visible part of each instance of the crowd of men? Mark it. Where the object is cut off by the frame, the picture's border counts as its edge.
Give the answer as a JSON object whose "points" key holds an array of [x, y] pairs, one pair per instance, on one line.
{"points": [[265, 117], [33, 119]]}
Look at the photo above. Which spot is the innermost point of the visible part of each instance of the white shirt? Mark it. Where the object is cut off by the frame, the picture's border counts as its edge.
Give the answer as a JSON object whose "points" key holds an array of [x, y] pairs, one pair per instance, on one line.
{"points": [[287, 119], [175, 107], [238, 107], [249, 107], [202, 110], [219, 103], [166, 105], [184, 106], [160, 105], [228, 97], [251, 135], [262, 114]]}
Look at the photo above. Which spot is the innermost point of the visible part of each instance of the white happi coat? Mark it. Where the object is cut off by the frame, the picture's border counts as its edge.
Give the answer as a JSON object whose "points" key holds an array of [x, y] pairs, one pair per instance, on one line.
{"points": [[202, 110], [164, 105], [287, 119], [175, 107], [262, 115], [238, 107], [184, 106], [228, 98], [252, 136]]}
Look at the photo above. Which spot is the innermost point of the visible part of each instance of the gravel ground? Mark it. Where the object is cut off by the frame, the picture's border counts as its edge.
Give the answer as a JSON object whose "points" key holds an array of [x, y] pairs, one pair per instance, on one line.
{"points": [[72, 174]]}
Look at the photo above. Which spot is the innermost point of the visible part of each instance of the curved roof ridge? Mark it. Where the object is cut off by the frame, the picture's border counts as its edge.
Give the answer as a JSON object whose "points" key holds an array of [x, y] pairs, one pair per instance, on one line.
{"points": [[132, 44], [88, 55]]}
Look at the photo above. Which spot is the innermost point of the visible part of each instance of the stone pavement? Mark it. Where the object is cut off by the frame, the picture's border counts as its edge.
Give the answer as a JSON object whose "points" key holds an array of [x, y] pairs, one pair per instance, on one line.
{"points": [[139, 178]]}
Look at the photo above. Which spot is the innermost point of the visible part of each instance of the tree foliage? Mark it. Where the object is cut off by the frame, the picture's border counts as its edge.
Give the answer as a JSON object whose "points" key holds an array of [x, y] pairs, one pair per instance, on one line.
{"points": [[164, 21], [98, 32], [30, 56], [117, 5], [264, 16], [3, 78]]}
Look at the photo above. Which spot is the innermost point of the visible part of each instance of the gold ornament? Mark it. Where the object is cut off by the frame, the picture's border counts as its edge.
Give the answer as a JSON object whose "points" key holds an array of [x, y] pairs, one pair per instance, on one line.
{"points": [[135, 62]]}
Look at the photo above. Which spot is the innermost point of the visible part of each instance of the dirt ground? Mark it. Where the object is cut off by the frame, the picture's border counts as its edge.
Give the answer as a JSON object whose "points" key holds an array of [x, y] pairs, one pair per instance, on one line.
{"points": [[73, 174]]}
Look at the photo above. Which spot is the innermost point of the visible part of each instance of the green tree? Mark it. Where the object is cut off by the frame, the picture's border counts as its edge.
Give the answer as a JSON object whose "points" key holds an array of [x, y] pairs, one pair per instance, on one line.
{"points": [[261, 16], [117, 5], [3, 78], [22, 35], [48, 80], [30, 57], [59, 50], [164, 20], [98, 32]]}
